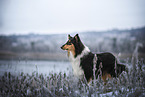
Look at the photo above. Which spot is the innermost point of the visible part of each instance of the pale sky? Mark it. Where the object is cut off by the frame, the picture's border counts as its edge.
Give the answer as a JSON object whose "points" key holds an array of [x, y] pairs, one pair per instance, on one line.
{"points": [[66, 16]]}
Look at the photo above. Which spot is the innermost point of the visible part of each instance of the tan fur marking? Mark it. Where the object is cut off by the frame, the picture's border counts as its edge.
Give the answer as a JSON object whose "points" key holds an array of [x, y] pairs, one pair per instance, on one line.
{"points": [[69, 48], [89, 80], [105, 76], [109, 76], [68, 53]]}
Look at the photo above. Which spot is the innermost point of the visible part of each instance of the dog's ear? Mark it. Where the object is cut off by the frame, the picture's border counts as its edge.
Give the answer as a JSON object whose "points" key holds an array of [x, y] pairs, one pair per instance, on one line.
{"points": [[77, 38], [69, 37]]}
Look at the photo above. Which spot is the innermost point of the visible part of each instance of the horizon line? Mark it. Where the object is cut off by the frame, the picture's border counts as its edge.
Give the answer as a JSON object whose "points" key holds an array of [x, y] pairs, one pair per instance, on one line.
{"points": [[64, 32]]}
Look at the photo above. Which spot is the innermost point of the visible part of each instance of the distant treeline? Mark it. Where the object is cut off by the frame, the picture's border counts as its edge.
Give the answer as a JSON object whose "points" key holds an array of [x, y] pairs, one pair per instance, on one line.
{"points": [[114, 40]]}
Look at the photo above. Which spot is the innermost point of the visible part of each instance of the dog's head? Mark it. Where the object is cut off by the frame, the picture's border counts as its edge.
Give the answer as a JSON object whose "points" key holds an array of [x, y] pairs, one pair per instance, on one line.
{"points": [[70, 44], [73, 44]]}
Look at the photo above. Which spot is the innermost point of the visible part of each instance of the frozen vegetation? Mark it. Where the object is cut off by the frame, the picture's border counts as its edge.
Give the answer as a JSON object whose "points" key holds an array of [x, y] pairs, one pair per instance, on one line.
{"points": [[129, 84]]}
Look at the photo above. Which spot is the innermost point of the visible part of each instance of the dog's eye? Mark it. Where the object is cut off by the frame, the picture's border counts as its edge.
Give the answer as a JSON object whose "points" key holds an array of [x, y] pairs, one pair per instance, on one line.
{"points": [[69, 42]]}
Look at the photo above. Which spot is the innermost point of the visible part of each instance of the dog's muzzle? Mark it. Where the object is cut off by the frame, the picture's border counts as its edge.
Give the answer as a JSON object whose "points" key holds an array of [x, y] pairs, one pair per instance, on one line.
{"points": [[62, 47]]}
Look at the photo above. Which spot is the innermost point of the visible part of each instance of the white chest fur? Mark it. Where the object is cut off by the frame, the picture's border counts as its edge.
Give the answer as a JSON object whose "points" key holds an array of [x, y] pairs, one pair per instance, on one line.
{"points": [[77, 69]]}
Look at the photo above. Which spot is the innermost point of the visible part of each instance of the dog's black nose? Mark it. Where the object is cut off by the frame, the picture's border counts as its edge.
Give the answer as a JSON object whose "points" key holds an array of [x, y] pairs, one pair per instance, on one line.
{"points": [[61, 47]]}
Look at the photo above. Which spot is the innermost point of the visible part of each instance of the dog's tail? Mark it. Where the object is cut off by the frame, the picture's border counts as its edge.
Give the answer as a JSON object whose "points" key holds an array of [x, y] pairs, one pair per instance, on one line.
{"points": [[121, 68]]}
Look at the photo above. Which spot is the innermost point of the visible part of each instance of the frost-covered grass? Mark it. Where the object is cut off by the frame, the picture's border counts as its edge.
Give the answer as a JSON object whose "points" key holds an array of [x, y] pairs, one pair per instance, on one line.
{"points": [[131, 83]]}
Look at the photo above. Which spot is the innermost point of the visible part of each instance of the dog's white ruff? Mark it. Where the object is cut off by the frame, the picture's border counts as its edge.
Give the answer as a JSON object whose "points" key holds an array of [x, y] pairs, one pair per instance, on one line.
{"points": [[77, 70]]}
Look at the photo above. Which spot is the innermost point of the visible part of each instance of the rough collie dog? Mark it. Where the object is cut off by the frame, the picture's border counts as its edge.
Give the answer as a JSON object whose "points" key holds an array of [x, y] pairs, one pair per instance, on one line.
{"points": [[83, 61]]}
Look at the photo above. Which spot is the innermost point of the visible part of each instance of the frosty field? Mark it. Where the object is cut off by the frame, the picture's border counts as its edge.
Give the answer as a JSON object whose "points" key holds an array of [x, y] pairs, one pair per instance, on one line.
{"points": [[55, 79]]}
